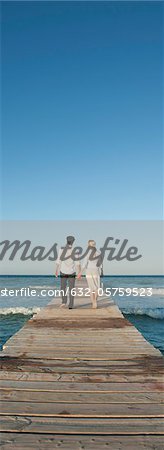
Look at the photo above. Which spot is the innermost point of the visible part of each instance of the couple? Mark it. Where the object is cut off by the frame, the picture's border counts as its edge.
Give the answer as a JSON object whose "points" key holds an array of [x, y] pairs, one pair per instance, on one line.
{"points": [[69, 269]]}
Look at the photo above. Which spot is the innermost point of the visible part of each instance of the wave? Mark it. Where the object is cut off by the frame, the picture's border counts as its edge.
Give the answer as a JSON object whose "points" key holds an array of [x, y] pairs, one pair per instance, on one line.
{"points": [[19, 310], [154, 313]]}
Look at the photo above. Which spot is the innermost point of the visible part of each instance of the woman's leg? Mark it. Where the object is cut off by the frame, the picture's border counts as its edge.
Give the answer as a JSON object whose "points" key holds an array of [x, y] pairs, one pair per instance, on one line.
{"points": [[93, 284], [96, 279], [94, 301]]}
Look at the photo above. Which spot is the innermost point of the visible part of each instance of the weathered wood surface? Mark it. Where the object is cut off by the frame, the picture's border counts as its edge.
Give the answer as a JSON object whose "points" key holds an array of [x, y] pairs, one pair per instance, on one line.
{"points": [[78, 442], [81, 379]]}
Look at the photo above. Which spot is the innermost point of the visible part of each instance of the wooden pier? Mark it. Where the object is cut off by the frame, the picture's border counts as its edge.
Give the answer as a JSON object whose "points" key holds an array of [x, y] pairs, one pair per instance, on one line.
{"points": [[81, 379]]}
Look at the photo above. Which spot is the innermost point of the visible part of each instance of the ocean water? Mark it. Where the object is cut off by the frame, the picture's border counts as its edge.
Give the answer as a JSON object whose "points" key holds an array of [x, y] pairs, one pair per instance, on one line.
{"points": [[145, 311]]}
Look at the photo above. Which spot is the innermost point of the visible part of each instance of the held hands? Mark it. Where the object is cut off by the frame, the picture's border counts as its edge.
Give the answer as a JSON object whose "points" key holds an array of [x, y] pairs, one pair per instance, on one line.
{"points": [[79, 275], [56, 273]]}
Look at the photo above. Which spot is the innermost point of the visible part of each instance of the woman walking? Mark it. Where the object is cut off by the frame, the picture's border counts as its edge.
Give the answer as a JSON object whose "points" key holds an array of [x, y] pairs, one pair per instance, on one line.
{"points": [[93, 271]]}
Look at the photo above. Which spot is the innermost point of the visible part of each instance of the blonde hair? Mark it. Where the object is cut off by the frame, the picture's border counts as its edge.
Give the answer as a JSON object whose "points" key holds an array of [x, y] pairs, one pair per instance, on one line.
{"points": [[91, 243]]}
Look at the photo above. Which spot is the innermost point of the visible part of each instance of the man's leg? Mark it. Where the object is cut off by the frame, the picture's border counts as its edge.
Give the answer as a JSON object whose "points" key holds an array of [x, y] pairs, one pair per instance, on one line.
{"points": [[71, 283], [63, 285]]}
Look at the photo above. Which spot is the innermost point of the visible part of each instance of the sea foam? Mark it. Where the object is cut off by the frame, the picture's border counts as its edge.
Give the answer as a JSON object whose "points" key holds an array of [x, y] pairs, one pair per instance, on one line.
{"points": [[155, 313], [19, 310]]}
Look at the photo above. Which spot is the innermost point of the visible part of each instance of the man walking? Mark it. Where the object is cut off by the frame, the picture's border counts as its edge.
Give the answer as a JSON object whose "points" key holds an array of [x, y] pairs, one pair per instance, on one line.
{"points": [[68, 269]]}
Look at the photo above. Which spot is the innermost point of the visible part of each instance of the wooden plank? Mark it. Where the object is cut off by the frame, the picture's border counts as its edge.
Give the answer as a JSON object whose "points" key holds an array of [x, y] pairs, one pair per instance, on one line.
{"points": [[84, 323], [86, 366], [60, 337], [119, 346], [107, 339], [58, 332], [80, 397], [124, 363], [46, 314], [78, 340], [77, 442], [46, 375], [105, 346], [82, 426], [52, 332], [76, 343], [64, 409], [72, 356], [29, 330], [32, 325], [73, 349], [20, 383], [75, 346], [78, 350], [91, 341], [107, 343], [117, 355], [146, 361]]}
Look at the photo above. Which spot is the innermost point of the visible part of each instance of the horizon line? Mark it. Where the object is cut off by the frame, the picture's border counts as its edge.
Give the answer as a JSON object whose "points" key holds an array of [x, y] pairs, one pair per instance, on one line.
{"points": [[103, 276]]}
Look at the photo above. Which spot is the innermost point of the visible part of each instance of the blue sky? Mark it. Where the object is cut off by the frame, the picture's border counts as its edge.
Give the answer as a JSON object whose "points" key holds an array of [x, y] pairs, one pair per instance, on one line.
{"points": [[82, 110]]}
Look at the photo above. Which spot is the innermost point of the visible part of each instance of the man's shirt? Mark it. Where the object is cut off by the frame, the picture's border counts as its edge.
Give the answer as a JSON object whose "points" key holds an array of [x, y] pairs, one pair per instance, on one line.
{"points": [[68, 266]]}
